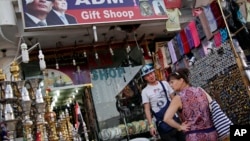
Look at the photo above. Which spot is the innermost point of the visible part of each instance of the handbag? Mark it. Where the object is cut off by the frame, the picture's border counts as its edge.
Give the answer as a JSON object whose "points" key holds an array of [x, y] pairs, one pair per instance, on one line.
{"points": [[220, 119], [162, 126]]}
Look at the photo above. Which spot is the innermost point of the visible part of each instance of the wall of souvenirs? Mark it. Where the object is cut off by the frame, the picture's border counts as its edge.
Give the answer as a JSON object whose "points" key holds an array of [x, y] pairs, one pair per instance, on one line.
{"points": [[214, 52]]}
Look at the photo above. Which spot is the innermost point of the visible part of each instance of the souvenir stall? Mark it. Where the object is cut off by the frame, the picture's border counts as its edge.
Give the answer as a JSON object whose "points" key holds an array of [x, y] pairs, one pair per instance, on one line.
{"points": [[213, 50], [27, 111]]}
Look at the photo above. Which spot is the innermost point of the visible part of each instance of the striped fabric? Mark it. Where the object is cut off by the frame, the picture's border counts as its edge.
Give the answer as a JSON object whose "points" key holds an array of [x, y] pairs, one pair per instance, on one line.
{"points": [[221, 121]]}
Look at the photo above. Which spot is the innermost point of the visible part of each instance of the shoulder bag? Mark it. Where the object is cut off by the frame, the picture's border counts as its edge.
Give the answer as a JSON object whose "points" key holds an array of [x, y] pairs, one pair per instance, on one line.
{"points": [[220, 119], [162, 126]]}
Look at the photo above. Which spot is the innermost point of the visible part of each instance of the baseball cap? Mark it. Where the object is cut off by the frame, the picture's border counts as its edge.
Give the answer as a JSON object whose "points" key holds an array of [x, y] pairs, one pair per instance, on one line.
{"points": [[147, 69]]}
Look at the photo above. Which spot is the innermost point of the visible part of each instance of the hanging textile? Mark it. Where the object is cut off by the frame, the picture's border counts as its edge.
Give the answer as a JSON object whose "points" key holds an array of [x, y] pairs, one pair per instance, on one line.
{"points": [[217, 14], [189, 37], [217, 39], [179, 44], [172, 52], [194, 33], [224, 34], [199, 28], [236, 26], [205, 25], [176, 49], [173, 22], [184, 41], [210, 18]]}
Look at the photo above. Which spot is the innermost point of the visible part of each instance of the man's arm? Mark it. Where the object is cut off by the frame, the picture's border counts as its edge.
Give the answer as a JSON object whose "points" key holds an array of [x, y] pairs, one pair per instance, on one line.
{"points": [[149, 118], [148, 113]]}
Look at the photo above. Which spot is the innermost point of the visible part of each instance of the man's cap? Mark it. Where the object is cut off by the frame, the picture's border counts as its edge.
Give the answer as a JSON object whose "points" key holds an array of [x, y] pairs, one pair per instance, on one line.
{"points": [[147, 69]]}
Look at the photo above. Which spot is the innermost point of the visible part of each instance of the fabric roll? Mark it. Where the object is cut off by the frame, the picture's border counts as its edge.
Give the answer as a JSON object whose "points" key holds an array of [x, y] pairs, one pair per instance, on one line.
{"points": [[189, 37], [176, 49], [199, 28], [210, 18], [172, 52], [224, 34], [205, 26], [184, 41], [217, 14], [179, 43], [194, 33], [217, 39]]}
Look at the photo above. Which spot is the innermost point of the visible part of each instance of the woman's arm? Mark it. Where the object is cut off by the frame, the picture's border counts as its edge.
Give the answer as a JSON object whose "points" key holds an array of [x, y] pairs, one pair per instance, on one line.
{"points": [[169, 114]]}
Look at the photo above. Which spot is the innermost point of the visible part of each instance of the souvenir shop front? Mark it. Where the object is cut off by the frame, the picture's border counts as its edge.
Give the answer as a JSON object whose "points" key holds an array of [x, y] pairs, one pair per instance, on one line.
{"points": [[92, 91], [214, 47]]}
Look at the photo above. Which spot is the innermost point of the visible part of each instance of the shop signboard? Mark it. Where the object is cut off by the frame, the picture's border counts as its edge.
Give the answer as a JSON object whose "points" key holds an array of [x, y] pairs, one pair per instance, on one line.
{"points": [[37, 13]]}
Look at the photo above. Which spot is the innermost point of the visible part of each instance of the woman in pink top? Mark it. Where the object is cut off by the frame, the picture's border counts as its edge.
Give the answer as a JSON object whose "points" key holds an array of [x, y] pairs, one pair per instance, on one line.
{"points": [[192, 104]]}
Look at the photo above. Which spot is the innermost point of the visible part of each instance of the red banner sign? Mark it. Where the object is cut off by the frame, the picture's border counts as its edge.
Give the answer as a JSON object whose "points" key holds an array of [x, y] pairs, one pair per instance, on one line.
{"points": [[45, 13]]}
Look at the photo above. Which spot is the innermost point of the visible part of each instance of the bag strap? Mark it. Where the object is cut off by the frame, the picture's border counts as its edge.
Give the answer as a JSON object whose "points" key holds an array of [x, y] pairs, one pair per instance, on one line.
{"points": [[164, 89], [209, 98]]}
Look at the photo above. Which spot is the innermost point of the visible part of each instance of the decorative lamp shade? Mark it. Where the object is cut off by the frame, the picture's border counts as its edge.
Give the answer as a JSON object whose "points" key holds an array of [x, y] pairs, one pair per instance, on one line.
{"points": [[39, 96], [25, 53], [7, 13], [41, 60], [8, 112], [25, 94], [8, 91]]}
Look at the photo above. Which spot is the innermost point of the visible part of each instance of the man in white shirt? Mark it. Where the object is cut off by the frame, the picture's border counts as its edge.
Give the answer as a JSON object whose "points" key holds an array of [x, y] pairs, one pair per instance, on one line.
{"points": [[57, 16], [156, 97], [36, 12]]}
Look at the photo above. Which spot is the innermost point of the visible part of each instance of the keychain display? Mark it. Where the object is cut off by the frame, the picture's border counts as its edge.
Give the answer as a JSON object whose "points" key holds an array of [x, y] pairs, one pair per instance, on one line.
{"points": [[220, 76]]}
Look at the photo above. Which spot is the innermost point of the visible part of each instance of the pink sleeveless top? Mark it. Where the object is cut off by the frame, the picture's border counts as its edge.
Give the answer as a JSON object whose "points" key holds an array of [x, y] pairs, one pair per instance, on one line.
{"points": [[195, 110]]}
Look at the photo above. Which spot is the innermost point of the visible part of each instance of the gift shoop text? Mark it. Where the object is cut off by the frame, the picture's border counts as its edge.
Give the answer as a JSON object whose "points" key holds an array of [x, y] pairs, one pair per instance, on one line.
{"points": [[107, 14]]}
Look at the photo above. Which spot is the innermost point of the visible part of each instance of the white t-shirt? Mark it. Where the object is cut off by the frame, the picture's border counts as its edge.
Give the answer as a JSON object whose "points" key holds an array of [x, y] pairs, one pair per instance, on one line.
{"points": [[155, 95]]}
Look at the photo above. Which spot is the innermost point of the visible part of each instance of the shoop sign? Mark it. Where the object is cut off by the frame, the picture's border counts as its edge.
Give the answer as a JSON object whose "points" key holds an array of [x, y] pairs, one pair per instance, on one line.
{"points": [[94, 11], [103, 74]]}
